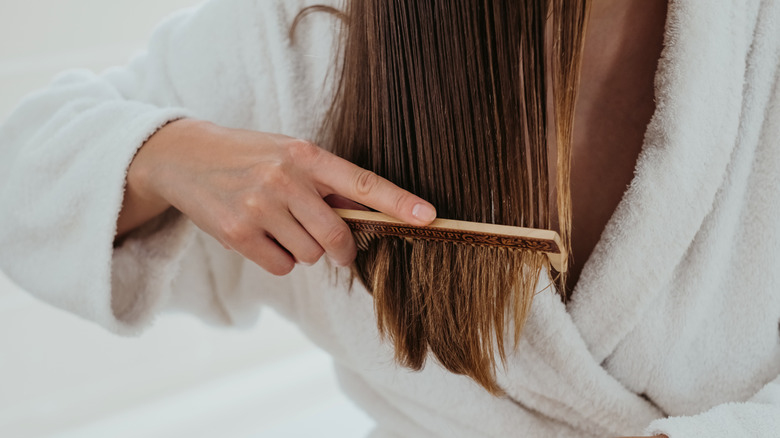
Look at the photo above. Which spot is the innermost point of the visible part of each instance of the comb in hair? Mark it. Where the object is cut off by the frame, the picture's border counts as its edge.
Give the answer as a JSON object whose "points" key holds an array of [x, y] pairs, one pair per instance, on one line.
{"points": [[366, 225]]}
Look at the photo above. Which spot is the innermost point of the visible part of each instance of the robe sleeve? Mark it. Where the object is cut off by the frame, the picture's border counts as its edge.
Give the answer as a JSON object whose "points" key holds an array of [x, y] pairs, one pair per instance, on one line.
{"points": [[758, 417], [64, 154]]}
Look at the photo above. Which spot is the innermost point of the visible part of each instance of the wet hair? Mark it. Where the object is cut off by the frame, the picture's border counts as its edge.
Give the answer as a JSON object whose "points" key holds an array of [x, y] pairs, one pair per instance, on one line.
{"points": [[448, 99]]}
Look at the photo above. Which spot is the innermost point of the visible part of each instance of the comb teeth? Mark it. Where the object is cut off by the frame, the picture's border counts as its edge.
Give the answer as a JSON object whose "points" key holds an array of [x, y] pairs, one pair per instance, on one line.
{"points": [[367, 226], [363, 239]]}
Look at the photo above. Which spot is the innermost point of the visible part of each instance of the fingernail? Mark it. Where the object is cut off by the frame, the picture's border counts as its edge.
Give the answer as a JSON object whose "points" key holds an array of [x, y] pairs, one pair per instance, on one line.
{"points": [[424, 212]]}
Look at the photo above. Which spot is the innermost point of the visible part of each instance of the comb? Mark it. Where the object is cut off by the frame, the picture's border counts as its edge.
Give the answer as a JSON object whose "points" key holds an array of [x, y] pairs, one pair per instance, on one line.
{"points": [[366, 225]]}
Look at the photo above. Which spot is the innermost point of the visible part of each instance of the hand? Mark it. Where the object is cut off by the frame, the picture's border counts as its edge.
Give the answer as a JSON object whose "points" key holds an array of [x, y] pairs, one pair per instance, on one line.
{"points": [[257, 193]]}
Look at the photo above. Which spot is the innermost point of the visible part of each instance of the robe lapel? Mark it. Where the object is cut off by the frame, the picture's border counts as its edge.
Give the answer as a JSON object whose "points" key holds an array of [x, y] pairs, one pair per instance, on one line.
{"points": [[557, 369], [687, 147], [553, 374]]}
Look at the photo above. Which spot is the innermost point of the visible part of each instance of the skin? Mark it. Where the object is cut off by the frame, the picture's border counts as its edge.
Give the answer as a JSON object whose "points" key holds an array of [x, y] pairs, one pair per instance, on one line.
{"points": [[260, 194], [615, 103], [269, 196]]}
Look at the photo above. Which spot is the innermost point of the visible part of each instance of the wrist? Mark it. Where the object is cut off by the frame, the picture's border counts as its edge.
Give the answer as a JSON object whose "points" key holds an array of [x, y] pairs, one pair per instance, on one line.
{"points": [[148, 187], [152, 173]]}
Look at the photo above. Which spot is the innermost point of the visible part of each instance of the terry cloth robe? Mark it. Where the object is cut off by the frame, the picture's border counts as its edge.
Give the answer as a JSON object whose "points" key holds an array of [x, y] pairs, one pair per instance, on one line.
{"points": [[673, 326]]}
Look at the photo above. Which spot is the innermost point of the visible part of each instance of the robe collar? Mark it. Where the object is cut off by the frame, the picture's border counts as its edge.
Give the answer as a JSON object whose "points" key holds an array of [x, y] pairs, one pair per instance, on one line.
{"points": [[557, 369]]}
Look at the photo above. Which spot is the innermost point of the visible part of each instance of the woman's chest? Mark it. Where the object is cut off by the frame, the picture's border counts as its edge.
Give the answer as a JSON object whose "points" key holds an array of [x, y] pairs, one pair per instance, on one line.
{"points": [[615, 104], [608, 140]]}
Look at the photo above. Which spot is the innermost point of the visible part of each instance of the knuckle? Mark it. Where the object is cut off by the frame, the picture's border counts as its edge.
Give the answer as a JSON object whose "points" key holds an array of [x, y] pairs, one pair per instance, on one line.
{"points": [[276, 175], [365, 182], [252, 202], [302, 151], [234, 232], [400, 202], [256, 207], [338, 237]]}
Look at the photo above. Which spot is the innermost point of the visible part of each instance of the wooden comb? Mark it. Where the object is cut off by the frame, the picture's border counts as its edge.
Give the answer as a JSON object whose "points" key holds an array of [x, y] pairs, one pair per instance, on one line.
{"points": [[365, 225]]}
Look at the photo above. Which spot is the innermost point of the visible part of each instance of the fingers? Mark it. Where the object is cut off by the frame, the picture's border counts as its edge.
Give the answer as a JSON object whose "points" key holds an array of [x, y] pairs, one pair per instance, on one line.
{"points": [[268, 255], [295, 239], [270, 208], [254, 243], [301, 229], [326, 227], [274, 240], [336, 201], [314, 230], [343, 178]]}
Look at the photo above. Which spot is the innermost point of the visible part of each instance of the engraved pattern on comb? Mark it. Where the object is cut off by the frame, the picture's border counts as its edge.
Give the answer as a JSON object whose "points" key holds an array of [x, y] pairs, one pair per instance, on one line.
{"points": [[452, 235]]}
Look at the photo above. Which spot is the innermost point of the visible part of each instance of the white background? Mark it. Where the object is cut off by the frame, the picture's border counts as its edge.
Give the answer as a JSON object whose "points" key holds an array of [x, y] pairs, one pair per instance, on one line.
{"points": [[61, 376]]}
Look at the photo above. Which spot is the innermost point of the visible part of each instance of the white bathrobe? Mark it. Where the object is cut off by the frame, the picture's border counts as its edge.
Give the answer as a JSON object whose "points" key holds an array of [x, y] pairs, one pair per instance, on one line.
{"points": [[673, 327]]}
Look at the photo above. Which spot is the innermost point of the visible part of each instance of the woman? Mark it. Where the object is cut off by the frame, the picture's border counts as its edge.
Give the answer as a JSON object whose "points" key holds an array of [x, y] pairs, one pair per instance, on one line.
{"points": [[672, 325]]}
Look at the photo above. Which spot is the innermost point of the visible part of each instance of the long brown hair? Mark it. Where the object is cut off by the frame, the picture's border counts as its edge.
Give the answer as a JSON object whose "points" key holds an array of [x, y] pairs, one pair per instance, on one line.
{"points": [[448, 99]]}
